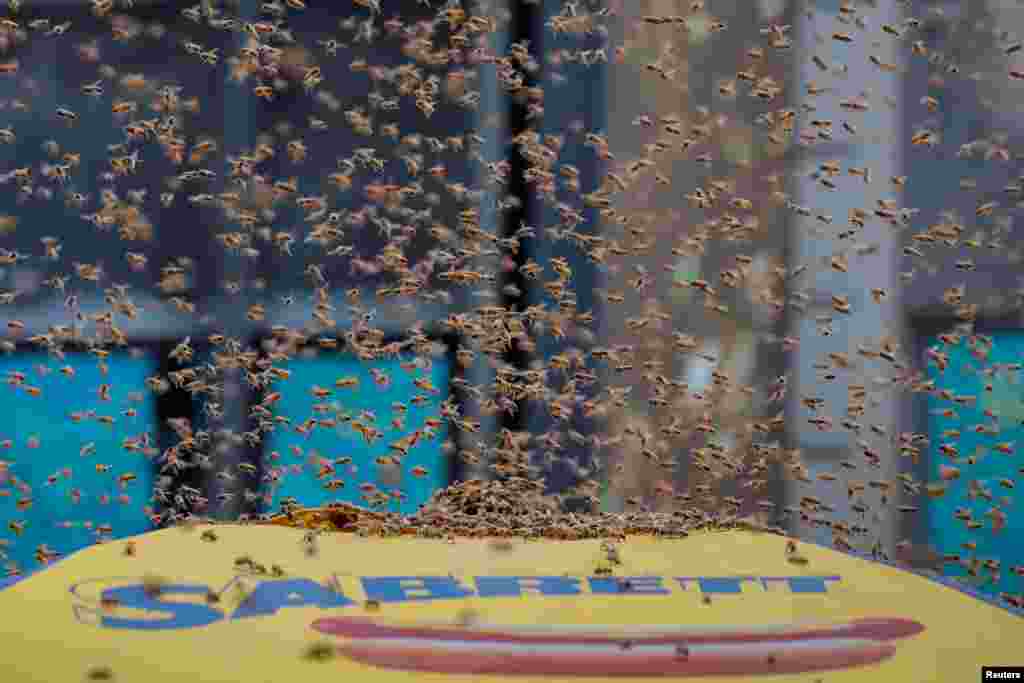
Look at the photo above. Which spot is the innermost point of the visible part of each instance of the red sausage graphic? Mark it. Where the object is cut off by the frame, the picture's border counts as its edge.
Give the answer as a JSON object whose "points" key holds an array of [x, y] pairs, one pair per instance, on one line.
{"points": [[869, 629], [612, 651]]}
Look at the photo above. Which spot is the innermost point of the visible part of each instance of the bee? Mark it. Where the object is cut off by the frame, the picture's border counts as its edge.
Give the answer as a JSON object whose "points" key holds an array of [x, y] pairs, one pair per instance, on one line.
{"points": [[100, 673], [297, 151], [92, 89], [264, 92], [67, 115]]}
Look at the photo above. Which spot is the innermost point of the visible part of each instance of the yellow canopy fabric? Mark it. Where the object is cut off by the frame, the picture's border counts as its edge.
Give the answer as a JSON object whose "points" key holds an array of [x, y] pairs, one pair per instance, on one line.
{"points": [[725, 604]]}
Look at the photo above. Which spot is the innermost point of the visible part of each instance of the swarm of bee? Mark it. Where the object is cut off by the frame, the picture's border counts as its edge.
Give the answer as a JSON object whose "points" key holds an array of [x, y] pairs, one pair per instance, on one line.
{"points": [[397, 186], [512, 507]]}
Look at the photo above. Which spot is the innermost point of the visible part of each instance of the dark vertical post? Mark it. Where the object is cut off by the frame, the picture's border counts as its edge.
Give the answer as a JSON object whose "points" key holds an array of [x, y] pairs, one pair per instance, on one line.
{"points": [[515, 288], [232, 420], [174, 404], [772, 359]]}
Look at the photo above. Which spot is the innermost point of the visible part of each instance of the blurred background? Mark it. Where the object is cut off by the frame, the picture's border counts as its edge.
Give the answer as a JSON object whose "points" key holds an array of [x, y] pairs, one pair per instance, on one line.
{"points": [[738, 354]]}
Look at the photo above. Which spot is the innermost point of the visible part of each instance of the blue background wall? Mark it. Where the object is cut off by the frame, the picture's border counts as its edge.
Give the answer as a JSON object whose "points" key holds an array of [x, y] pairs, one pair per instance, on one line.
{"points": [[946, 533], [297, 403], [60, 443]]}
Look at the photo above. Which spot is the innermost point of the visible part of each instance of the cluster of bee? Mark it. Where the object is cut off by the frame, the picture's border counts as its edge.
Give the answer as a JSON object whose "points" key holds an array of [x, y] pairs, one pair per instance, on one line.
{"points": [[510, 507], [441, 73]]}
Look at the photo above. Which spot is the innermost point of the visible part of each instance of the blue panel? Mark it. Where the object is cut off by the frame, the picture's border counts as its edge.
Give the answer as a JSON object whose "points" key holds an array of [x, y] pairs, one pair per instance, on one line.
{"points": [[945, 532], [300, 480], [54, 518]]}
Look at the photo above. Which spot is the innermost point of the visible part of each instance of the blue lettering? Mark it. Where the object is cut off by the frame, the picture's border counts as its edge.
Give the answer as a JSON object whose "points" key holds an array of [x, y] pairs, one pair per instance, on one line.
{"points": [[403, 588], [727, 585], [270, 596], [638, 585], [515, 586], [801, 584], [770, 582], [181, 614]]}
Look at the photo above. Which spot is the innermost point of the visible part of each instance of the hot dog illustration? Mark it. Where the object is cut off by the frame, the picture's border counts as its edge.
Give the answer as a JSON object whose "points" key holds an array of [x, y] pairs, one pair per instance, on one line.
{"points": [[611, 651]]}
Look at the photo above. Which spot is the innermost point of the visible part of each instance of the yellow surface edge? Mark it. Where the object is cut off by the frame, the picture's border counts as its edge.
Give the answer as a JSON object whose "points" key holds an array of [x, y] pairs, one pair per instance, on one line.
{"points": [[45, 642]]}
